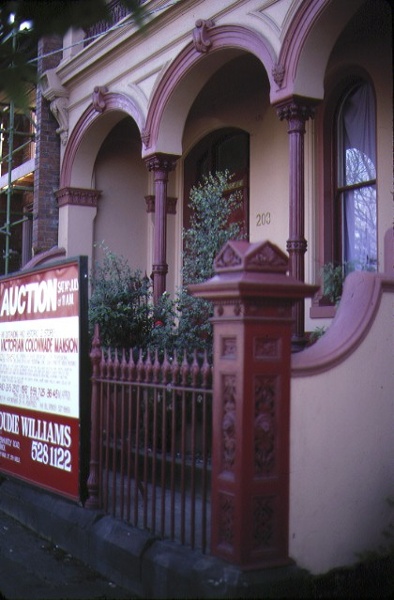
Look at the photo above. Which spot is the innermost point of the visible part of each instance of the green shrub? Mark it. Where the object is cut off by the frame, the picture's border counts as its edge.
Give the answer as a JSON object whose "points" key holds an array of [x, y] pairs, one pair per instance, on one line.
{"points": [[333, 278], [335, 275], [121, 299], [210, 228], [316, 334], [120, 302]]}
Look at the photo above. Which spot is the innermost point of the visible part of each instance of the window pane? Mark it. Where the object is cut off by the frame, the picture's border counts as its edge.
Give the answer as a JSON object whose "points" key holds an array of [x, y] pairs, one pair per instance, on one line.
{"points": [[360, 248], [359, 167], [357, 162], [358, 136]]}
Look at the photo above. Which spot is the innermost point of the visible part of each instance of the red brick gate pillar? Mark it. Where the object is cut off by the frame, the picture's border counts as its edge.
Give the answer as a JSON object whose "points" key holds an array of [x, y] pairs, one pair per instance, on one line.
{"points": [[253, 299]]}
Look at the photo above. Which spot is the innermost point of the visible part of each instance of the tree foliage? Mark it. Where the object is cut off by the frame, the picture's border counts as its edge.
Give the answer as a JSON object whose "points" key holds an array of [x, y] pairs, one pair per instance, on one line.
{"points": [[17, 53]]}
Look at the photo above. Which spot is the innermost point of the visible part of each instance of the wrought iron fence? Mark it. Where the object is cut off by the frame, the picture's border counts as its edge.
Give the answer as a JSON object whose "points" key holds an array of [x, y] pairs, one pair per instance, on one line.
{"points": [[151, 441]]}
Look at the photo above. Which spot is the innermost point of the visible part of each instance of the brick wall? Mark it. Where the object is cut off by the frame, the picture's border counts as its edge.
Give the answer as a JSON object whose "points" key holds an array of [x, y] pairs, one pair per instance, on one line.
{"points": [[46, 178]]}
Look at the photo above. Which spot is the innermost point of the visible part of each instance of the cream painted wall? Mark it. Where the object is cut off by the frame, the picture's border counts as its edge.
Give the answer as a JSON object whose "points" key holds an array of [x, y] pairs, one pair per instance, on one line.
{"points": [[75, 233], [121, 175], [341, 453], [269, 181]]}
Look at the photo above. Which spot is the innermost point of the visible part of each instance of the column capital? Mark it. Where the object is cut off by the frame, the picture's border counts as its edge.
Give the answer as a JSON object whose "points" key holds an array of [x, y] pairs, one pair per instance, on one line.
{"points": [[77, 197], [296, 111], [161, 163]]}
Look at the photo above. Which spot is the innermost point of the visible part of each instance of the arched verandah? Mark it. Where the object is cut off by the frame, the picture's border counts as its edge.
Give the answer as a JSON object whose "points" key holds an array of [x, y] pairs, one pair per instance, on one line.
{"points": [[188, 73], [79, 193]]}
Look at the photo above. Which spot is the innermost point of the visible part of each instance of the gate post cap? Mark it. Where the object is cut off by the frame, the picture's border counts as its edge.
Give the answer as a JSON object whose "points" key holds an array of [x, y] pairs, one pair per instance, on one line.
{"points": [[260, 257]]}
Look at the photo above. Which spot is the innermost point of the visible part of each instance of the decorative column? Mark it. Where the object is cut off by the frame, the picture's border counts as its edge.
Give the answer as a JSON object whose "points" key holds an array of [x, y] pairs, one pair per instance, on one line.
{"points": [[297, 112], [253, 299], [161, 165]]}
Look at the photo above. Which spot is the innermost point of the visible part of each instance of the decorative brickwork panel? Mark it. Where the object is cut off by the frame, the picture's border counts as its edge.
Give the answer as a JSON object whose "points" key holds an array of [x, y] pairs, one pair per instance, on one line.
{"points": [[228, 423], [264, 425], [226, 519], [263, 523], [229, 348], [267, 348]]}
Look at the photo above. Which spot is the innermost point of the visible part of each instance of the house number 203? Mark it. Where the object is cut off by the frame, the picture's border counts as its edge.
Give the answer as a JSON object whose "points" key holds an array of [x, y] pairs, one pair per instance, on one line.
{"points": [[263, 219]]}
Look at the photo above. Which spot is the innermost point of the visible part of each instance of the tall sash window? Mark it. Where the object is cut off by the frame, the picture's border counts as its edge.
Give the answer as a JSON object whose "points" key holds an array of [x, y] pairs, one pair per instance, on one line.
{"points": [[356, 178]]}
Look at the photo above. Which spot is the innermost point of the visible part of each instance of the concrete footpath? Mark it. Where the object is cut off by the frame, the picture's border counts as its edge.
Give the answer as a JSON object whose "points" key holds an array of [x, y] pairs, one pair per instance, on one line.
{"points": [[32, 568], [140, 564]]}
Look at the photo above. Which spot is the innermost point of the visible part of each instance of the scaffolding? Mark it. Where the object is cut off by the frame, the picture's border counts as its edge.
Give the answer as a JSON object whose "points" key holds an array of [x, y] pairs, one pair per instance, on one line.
{"points": [[16, 176]]}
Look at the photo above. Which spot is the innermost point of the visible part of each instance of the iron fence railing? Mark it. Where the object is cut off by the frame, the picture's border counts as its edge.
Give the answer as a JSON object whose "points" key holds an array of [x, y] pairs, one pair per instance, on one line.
{"points": [[151, 442]]}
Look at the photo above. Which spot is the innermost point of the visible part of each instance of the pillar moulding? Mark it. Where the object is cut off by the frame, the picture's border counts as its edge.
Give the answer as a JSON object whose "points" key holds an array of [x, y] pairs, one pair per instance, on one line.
{"points": [[296, 111], [77, 197], [160, 164]]}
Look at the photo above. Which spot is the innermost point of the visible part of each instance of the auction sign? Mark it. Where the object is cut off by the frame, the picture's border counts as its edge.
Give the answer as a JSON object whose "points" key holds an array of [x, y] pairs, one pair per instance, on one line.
{"points": [[43, 375]]}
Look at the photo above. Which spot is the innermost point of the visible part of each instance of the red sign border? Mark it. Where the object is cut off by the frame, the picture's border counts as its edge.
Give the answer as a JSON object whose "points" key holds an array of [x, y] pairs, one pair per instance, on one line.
{"points": [[80, 492]]}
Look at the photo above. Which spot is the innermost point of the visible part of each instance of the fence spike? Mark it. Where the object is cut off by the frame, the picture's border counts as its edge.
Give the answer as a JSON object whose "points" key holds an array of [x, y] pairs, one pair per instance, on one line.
{"points": [[148, 367], [109, 363], [205, 370], [132, 366], [175, 369], [116, 365], [103, 364], [124, 366], [140, 367], [195, 369], [156, 367], [165, 368], [184, 368]]}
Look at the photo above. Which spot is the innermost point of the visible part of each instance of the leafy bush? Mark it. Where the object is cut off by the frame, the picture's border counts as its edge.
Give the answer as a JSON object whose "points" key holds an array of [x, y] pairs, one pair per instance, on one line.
{"points": [[335, 275], [333, 278], [210, 228], [121, 300], [316, 334]]}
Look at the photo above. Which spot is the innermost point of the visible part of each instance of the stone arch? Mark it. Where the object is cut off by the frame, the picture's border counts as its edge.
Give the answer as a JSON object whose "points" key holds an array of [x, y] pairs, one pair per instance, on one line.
{"points": [[88, 135], [186, 76], [308, 43]]}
